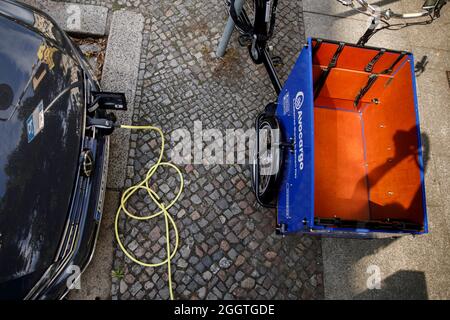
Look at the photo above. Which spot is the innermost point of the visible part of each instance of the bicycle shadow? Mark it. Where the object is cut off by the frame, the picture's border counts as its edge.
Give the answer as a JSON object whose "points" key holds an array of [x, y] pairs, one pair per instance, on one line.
{"points": [[406, 149]]}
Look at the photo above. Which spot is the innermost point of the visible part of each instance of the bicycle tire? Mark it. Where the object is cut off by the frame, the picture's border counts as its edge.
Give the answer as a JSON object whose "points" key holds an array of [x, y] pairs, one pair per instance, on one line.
{"points": [[263, 21], [269, 193], [249, 8]]}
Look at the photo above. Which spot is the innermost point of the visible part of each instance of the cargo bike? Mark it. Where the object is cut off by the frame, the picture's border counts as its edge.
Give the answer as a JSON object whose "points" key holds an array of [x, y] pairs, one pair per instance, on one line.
{"points": [[340, 152]]}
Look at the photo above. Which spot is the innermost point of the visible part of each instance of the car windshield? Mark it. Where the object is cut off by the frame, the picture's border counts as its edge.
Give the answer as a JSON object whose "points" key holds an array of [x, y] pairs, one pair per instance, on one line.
{"points": [[18, 57]]}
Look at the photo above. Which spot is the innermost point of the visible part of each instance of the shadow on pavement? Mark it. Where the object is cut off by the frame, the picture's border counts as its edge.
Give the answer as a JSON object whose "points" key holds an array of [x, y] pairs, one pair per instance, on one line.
{"points": [[402, 285]]}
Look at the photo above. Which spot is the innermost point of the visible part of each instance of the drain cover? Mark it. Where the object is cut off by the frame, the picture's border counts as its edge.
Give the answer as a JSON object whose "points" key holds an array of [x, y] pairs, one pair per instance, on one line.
{"points": [[448, 78]]}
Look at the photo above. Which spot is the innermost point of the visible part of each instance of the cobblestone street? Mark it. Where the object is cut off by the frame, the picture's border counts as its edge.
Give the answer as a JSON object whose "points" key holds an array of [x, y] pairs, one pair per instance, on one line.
{"points": [[228, 246]]}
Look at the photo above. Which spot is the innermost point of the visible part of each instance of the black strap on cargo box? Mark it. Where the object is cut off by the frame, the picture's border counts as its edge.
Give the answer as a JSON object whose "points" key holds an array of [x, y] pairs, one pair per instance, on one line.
{"points": [[372, 78], [371, 65], [391, 68], [316, 46], [323, 77]]}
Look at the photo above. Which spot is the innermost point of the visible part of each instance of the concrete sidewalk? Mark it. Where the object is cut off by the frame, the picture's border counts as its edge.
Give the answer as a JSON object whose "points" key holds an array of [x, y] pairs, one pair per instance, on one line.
{"points": [[86, 19], [411, 267]]}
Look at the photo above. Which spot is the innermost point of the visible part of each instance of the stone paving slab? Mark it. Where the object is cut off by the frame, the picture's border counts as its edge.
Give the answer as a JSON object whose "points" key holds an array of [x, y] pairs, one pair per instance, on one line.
{"points": [[120, 74], [73, 17], [434, 36]]}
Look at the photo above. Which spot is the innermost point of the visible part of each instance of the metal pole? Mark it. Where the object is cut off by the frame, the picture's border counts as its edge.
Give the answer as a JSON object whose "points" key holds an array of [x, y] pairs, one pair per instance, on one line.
{"points": [[238, 4]]}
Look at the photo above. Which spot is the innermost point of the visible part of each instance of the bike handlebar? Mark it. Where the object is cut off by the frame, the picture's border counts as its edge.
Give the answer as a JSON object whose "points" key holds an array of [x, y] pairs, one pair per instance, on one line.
{"points": [[388, 13], [413, 15]]}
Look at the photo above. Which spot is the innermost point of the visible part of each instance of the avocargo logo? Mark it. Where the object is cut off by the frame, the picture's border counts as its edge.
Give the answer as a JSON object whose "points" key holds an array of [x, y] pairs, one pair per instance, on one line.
{"points": [[298, 103]]}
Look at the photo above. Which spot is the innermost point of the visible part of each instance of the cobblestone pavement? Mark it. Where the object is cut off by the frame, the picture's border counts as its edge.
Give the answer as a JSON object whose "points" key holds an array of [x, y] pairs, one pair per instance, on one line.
{"points": [[228, 248]]}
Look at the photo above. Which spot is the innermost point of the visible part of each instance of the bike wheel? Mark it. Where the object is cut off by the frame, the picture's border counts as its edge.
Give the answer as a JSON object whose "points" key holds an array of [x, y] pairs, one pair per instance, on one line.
{"points": [[248, 18], [269, 161]]}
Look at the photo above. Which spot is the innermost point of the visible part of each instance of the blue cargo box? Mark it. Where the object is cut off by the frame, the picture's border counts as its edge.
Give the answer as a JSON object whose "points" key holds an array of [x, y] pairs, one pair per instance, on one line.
{"points": [[357, 166]]}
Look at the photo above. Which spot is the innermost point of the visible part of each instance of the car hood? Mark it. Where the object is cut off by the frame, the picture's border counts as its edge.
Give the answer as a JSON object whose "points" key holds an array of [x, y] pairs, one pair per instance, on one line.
{"points": [[41, 123]]}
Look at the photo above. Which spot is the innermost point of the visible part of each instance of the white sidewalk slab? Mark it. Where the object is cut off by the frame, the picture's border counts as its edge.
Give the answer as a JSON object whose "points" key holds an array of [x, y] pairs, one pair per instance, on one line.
{"points": [[74, 17], [120, 74]]}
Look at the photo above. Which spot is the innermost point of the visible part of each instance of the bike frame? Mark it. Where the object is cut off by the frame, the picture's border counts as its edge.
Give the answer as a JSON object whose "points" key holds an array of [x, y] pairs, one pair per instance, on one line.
{"points": [[257, 33], [261, 33]]}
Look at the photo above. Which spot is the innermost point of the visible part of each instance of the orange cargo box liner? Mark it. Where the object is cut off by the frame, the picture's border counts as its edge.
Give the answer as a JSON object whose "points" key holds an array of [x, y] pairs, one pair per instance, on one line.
{"points": [[366, 155]]}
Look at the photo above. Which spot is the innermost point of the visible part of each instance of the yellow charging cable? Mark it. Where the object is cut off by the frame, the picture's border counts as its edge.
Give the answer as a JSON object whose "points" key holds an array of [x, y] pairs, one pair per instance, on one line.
{"points": [[169, 222]]}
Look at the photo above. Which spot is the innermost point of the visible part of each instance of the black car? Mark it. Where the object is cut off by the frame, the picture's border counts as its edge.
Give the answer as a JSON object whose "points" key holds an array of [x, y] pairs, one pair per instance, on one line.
{"points": [[53, 156]]}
